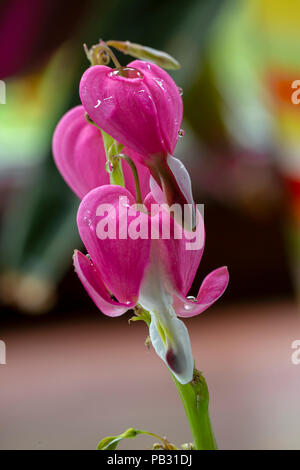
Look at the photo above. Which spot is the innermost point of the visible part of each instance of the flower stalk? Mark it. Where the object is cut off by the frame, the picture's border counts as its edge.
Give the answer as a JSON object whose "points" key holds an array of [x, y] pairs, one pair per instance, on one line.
{"points": [[114, 166], [133, 168], [195, 399]]}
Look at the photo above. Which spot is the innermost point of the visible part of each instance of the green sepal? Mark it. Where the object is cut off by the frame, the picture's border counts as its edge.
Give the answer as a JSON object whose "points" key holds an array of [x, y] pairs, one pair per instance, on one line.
{"points": [[141, 314]]}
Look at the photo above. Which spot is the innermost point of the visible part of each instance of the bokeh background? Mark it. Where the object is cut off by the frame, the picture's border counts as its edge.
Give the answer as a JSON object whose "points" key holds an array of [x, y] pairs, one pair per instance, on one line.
{"points": [[73, 376]]}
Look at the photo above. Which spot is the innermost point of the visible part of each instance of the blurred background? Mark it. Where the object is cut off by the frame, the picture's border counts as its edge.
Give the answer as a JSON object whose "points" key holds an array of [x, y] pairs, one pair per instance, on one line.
{"points": [[73, 376]]}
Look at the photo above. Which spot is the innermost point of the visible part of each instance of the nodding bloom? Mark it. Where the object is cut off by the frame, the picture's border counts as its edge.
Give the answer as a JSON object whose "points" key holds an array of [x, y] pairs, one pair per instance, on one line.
{"points": [[129, 264], [140, 106], [132, 268], [79, 154]]}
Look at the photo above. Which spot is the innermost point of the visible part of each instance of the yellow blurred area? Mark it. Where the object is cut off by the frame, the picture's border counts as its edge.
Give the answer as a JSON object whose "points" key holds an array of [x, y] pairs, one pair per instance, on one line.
{"points": [[277, 16], [32, 109]]}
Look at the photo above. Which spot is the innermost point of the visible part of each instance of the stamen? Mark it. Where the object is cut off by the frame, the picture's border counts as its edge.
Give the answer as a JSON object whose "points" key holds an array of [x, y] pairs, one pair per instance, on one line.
{"points": [[94, 54]]}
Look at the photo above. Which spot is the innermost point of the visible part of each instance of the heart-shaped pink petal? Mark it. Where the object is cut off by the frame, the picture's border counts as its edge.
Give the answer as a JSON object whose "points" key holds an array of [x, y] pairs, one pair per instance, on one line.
{"points": [[123, 108], [178, 251], [104, 223], [167, 99], [93, 284], [79, 152], [142, 110], [213, 286]]}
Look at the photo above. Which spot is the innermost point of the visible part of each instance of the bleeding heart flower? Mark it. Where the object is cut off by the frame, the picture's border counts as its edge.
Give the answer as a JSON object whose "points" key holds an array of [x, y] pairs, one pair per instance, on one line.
{"points": [[79, 154], [147, 269], [140, 106]]}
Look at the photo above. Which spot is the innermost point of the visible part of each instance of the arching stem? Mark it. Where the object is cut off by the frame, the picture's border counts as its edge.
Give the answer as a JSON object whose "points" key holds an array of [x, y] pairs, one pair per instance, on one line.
{"points": [[135, 176]]}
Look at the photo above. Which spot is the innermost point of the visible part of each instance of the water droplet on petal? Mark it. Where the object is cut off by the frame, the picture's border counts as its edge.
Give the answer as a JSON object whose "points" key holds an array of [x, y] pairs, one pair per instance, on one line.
{"points": [[87, 220], [180, 90], [127, 72], [181, 133], [160, 83], [108, 167], [188, 307]]}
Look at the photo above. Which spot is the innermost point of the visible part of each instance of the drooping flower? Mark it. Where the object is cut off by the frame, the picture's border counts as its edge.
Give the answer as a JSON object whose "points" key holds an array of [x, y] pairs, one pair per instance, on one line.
{"points": [[79, 154], [129, 266], [140, 106], [134, 267]]}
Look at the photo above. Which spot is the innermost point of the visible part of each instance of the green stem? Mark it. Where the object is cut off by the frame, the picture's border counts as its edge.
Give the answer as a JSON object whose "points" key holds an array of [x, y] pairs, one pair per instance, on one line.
{"points": [[195, 399], [115, 167], [135, 176]]}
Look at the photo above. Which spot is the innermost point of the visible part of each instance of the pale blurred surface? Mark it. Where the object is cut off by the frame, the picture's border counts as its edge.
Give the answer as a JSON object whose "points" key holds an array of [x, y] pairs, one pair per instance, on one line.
{"points": [[68, 384]]}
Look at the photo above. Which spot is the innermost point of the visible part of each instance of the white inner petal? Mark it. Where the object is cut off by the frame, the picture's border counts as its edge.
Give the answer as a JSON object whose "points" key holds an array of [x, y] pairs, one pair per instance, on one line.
{"points": [[169, 335], [184, 182]]}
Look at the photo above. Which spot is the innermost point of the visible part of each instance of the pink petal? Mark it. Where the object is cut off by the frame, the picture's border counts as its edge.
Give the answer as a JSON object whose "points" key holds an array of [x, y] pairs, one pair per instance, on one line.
{"points": [[174, 179], [93, 284], [133, 110], [120, 262], [184, 187], [179, 257], [211, 289], [80, 156], [167, 99], [79, 152], [156, 191]]}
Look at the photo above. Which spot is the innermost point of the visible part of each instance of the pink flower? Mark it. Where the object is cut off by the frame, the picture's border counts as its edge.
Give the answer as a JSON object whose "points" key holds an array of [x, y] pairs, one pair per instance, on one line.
{"points": [[79, 154], [135, 267], [131, 261], [140, 106]]}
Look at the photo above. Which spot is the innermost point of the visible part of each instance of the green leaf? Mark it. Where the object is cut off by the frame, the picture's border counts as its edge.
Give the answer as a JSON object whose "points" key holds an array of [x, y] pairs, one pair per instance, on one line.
{"points": [[146, 53], [141, 314], [111, 442], [108, 443]]}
